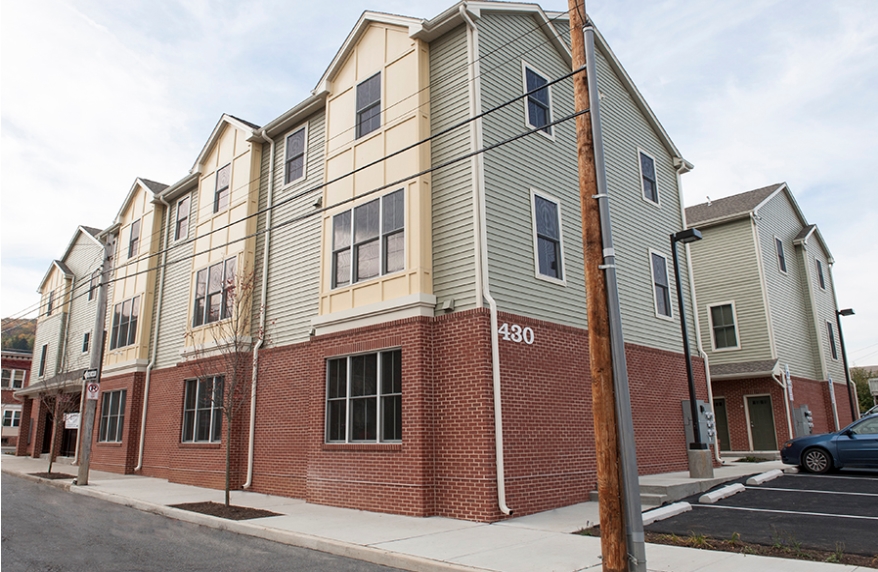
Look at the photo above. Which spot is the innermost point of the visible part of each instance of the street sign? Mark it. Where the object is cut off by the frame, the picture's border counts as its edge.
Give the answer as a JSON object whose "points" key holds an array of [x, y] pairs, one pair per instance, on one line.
{"points": [[92, 390], [90, 375], [71, 420]]}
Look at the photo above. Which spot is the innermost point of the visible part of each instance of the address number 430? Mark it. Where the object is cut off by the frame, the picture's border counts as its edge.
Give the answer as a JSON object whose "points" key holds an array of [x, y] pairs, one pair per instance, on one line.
{"points": [[515, 333]]}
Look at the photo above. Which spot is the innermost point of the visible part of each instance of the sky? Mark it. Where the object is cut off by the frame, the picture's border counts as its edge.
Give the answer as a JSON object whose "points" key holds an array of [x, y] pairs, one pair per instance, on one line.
{"points": [[752, 92]]}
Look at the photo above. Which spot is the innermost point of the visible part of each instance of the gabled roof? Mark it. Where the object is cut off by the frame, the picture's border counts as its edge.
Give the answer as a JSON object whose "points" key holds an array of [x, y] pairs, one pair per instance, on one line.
{"points": [[62, 268], [732, 207], [809, 231], [151, 186], [745, 369], [91, 233], [251, 129]]}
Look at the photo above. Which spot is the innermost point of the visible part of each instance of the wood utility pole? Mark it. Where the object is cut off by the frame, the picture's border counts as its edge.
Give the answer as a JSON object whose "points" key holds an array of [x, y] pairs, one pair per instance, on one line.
{"points": [[613, 537]]}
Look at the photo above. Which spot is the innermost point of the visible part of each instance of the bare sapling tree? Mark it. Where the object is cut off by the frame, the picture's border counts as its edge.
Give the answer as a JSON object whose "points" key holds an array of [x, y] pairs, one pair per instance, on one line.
{"points": [[57, 398], [222, 353]]}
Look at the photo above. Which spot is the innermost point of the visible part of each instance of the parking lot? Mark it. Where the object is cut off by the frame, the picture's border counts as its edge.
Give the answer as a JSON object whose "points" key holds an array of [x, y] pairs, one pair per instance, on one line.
{"points": [[825, 512]]}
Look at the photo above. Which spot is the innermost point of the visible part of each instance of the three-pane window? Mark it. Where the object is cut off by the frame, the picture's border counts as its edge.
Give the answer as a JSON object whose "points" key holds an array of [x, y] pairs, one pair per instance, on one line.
{"points": [[214, 293], [364, 398], [369, 240], [547, 229], [722, 320], [202, 410], [294, 156], [781, 258], [369, 105], [661, 285], [648, 177], [124, 330], [181, 229], [221, 194], [112, 416], [13, 378], [134, 239], [539, 109]]}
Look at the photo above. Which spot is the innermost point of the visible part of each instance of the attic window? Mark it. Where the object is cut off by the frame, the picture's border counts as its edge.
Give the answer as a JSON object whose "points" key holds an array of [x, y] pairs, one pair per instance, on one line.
{"points": [[294, 159], [134, 239], [369, 105], [539, 107], [820, 278], [648, 178], [221, 195], [781, 258]]}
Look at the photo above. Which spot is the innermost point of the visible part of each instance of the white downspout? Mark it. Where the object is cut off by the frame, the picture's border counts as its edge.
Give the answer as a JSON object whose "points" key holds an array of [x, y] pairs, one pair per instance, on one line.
{"points": [[155, 338], [251, 439], [786, 400], [482, 254], [696, 320]]}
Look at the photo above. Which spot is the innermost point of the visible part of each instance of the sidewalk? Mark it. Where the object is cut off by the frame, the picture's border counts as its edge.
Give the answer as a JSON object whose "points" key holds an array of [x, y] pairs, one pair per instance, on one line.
{"points": [[536, 543]]}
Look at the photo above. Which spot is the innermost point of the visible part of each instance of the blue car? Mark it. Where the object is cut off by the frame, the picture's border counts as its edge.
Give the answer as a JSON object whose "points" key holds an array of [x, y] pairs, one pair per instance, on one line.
{"points": [[854, 446]]}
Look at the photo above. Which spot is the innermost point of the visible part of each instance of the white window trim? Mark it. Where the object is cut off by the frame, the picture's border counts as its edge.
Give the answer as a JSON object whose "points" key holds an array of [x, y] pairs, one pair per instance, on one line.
{"points": [[193, 292], [174, 237], [139, 223], [213, 196], [658, 193], [12, 372], [832, 343], [89, 341], [283, 174], [671, 292], [533, 218], [215, 409], [821, 273], [382, 106], [524, 67], [737, 345], [777, 255]]}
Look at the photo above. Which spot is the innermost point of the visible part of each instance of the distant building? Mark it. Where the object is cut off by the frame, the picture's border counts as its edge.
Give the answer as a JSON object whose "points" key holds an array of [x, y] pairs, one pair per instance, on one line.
{"points": [[767, 306], [16, 369]]}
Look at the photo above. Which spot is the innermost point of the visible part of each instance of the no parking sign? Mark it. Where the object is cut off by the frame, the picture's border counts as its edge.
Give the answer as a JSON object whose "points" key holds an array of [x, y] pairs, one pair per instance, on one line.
{"points": [[92, 390]]}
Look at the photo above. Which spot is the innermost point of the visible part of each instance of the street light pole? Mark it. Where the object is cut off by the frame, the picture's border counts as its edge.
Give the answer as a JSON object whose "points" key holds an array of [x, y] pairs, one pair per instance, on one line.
{"points": [[852, 394], [700, 463]]}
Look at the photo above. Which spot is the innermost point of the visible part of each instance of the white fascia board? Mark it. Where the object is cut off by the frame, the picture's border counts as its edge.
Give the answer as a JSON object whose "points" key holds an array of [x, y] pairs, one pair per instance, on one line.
{"points": [[296, 114], [214, 135], [182, 186]]}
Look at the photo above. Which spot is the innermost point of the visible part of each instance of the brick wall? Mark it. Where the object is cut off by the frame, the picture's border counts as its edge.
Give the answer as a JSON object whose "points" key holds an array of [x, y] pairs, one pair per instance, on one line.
{"points": [[120, 457]]}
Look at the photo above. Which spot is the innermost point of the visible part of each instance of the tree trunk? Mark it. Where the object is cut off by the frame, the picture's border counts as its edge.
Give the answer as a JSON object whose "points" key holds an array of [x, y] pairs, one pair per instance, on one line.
{"points": [[54, 435], [228, 456]]}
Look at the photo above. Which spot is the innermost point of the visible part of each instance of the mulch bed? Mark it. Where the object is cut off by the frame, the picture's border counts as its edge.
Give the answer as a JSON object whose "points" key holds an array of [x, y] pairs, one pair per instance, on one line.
{"points": [[53, 476], [222, 511], [780, 550]]}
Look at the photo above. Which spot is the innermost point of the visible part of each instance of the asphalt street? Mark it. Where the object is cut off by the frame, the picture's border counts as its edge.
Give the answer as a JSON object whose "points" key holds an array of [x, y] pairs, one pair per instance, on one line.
{"points": [[48, 529], [826, 512]]}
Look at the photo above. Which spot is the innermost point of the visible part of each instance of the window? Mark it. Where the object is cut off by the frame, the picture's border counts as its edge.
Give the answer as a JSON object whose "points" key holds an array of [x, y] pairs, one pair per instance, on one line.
{"points": [[134, 239], [364, 398], [50, 303], [221, 194], [830, 332], [722, 323], [12, 418], [660, 284], [547, 237], [43, 351], [539, 112], [781, 259], [369, 105], [112, 416], [214, 293], [181, 230], [85, 340], [294, 157], [202, 410], [820, 279], [378, 245], [94, 283], [125, 316], [648, 177], [13, 378]]}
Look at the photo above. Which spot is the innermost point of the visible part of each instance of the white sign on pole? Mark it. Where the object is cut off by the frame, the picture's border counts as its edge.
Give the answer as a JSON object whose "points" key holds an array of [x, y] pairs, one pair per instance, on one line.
{"points": [[71, 420], [92, 390]]}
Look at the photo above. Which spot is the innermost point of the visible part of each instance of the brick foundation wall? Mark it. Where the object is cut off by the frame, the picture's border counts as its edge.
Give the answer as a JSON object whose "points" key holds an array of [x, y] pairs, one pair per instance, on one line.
{"points": [[119, 457]]}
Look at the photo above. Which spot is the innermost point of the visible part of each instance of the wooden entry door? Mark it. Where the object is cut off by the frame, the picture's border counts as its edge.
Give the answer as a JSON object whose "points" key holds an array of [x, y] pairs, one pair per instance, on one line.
{"points": [[761, 423], [722, 424]]}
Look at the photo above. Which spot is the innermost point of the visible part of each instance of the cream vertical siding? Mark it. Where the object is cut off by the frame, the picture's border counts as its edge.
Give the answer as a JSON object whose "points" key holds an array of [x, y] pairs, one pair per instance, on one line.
{"points": [[453, 225], [405, 119], [726, 269]]}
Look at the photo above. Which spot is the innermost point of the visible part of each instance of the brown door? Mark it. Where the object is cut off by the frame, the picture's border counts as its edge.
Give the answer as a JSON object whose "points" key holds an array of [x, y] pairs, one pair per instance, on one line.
{"points": [[761, 423]]}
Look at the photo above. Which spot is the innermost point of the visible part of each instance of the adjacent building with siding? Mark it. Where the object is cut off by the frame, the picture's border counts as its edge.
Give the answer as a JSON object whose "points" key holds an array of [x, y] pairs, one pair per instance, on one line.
{"points": [[405, 291], [767, 318]]}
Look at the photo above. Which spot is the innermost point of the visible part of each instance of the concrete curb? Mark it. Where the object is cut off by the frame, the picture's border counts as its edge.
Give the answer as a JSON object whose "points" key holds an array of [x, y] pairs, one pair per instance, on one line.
{"points": [[719, 494], [764, 477], [664, 512], [301, 540]]}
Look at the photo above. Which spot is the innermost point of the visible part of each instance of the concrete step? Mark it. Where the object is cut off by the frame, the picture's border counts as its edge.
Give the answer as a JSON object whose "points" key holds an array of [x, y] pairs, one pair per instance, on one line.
{"points": [[646, 499]]}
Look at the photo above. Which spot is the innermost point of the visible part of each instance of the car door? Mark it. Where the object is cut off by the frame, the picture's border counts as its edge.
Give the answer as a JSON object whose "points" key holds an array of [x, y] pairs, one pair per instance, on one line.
{"points": [[859, 445]]}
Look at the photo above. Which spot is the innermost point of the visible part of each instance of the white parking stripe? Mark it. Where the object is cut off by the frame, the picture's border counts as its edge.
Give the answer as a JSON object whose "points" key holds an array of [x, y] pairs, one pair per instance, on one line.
{"points": [[811, 491], [786, 511], [811, 476]]}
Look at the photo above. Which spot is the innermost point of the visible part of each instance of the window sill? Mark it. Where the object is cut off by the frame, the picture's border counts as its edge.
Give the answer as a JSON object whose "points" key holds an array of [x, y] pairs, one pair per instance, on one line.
{"points": [[362, 447], [109, 443], [201, 445]]}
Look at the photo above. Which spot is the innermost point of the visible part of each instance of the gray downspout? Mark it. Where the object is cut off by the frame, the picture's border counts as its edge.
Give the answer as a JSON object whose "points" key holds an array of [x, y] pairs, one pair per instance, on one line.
{"points": [[479, 191], [251, 439], [155, 338], [628, 464]]}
